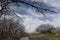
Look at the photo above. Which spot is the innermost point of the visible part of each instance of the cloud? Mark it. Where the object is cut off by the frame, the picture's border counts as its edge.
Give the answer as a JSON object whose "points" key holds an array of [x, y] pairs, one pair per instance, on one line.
{"points": [[31, 19], [55, 3], [31, 24]]}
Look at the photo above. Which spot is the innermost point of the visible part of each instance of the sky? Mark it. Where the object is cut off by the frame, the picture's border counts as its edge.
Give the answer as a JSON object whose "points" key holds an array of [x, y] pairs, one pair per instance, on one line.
{"points": [[31, 20], [32, 23]]}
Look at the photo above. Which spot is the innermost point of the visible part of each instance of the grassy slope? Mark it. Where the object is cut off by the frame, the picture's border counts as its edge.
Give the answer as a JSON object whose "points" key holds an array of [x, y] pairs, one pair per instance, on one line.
{"points": [[45, 37]]}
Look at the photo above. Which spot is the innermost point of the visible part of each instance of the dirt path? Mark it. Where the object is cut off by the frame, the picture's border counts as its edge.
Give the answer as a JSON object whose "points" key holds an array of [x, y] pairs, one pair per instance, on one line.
{"points": [[25, 38]]}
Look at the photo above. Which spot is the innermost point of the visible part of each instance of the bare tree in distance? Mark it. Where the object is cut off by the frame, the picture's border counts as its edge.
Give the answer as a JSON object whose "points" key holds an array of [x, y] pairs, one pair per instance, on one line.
{"points": [[56, 30], [37, 5], [45, 28]]}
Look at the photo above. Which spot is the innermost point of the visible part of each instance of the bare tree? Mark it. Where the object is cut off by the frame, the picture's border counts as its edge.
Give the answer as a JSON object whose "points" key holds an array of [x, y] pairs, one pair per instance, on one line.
{"points": [[45, 28], [37, 5], [56, 30], [11, 30]]}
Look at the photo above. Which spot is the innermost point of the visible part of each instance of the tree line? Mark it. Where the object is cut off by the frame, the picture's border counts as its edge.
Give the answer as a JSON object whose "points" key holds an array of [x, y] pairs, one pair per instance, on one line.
{"points": [[48, 28]]}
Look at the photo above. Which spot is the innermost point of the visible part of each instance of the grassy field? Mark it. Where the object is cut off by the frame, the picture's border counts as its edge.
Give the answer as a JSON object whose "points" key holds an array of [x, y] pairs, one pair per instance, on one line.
{"points": [[44, 37]]}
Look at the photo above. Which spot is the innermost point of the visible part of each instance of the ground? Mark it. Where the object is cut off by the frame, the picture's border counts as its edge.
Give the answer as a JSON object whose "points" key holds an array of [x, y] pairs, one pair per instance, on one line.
{"points": [[45, 37]]}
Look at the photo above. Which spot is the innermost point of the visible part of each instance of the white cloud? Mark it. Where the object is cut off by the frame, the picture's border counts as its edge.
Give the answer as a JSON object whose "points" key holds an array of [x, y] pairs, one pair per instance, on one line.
{"points": [[18, 14], [55, 3], [55, 21], [31, 24]]}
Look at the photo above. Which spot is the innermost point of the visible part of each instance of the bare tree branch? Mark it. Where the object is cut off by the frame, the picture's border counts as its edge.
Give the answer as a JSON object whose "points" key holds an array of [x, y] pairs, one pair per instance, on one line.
{"points": [[30, 3], [38, 8]]}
